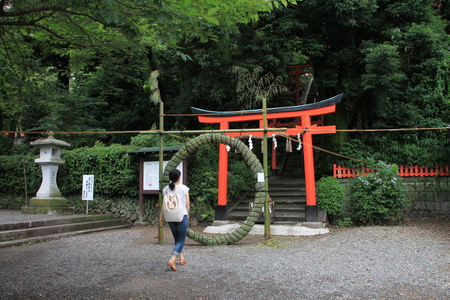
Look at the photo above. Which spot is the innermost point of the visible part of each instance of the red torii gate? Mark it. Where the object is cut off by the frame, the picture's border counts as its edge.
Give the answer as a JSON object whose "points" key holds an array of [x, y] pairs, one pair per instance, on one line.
{"points": [[302, 124], [297, 72]]}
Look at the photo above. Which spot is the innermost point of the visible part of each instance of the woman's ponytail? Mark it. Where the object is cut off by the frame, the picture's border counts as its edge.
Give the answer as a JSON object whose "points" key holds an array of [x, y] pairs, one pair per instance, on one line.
{"points": [[174, 175]]}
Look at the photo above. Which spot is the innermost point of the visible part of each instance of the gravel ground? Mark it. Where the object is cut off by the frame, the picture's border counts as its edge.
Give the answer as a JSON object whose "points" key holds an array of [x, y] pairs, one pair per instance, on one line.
{"points": [[411, 261]]}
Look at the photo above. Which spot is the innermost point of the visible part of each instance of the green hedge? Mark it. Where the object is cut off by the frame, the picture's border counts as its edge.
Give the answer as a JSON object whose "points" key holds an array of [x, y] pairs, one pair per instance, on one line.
{"points": [[115, 172], [15, 170]]}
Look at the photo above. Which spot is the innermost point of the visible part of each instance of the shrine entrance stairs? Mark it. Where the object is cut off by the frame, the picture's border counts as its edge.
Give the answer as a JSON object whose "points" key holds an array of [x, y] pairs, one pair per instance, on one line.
{"points": [[286, 189]]}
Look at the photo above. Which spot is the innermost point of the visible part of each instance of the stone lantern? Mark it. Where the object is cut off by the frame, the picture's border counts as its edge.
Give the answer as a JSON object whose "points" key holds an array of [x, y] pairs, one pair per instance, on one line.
{"points": [[48, 199]]}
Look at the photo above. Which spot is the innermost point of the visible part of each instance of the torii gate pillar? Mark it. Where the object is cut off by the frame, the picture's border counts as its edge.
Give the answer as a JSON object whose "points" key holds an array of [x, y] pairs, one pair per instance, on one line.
{"points": [[221, 207], [311, 209]]}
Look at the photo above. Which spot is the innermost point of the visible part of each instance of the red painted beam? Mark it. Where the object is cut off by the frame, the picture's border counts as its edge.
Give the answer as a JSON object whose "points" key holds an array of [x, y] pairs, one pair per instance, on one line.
{"points": [[280, 115]]}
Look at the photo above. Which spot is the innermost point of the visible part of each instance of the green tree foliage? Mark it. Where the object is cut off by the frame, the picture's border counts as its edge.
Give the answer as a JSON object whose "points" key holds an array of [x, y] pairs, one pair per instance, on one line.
{"points": [[252, 87], [115, 79], [45, 43], [391, 60], [82, 23], [389, 57], [5, 145]]}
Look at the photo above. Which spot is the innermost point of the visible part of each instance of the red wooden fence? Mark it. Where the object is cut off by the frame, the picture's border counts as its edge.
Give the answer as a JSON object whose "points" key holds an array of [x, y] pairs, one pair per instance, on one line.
{"points": [[404, 171]]}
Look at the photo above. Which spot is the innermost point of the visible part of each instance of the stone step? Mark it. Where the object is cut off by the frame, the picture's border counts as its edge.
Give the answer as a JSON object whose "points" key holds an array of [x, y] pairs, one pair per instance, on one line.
{"points": [[51, 222], [279, 218], [286, 183], [20, 233], [45, 238], [278, 200], [292, 173], [278, 210], [289, 195]]}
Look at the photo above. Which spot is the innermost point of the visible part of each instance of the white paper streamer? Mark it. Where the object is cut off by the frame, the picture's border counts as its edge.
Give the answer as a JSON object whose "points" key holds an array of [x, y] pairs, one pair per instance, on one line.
{"points": [[228, 148], [250, 143], [299, 141], [274, 141]]}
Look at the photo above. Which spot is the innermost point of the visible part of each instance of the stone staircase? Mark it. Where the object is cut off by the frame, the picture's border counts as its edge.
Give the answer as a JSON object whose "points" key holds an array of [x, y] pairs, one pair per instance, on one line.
{"points": [[286, 189], [16, 234]]}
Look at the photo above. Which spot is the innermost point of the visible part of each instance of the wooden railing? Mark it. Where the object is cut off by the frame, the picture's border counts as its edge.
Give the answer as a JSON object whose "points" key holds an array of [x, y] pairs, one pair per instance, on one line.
{"points": [[404, 171]]}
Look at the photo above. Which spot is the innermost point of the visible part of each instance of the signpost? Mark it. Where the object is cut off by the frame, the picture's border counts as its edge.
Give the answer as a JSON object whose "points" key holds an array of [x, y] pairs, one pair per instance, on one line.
{"points": [[151, 175], [88, 190]]}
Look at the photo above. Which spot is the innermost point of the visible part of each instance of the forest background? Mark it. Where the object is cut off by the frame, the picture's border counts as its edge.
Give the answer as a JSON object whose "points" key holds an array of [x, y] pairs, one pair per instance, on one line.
{"points": [[84, 66]]}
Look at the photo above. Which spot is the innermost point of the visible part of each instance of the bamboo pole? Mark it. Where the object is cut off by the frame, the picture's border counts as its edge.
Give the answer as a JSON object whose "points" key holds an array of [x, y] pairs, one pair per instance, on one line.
{"points": [[25, 182], [161, 168], [267, 234]]}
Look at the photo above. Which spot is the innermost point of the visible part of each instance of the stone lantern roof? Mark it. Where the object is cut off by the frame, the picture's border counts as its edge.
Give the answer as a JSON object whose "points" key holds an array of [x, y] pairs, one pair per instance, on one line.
{"points": [[50, 140]]}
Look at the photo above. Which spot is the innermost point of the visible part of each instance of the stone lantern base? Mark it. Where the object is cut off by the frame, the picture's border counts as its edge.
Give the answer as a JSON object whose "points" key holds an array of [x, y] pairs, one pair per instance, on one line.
{"points": [[48, 205]]}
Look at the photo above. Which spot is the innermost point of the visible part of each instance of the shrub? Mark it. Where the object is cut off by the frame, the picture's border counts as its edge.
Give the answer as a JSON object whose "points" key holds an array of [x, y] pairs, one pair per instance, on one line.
{"points": [[330, 195], [5, 145], [111, 165], [201, 209], [15, 170], [9, 201], [379, 196]]}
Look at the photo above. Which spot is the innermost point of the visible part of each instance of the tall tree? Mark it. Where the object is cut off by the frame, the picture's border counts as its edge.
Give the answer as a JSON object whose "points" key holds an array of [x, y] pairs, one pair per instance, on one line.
{"points": [[391, 60]]}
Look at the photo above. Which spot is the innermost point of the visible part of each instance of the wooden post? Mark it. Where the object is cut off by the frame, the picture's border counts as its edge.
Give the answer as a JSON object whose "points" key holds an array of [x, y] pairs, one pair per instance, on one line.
{"points": [[161, 168], [267, 234]]}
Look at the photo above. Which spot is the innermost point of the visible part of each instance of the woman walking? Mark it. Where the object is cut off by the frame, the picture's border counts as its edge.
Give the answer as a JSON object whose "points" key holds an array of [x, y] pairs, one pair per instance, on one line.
{"points": [[179, 229]]}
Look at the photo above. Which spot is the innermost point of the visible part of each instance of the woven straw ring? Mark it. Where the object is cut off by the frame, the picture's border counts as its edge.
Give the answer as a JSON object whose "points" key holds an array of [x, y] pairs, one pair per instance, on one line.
{"points": [[251, 160]]}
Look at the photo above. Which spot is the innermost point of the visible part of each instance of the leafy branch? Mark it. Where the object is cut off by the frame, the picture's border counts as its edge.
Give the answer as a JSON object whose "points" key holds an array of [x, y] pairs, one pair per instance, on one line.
{"points": [[252, 87]]}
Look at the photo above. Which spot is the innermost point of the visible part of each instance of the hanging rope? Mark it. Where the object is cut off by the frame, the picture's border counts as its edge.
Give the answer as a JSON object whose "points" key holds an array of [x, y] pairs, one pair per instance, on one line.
{"points": [[148, 131], [12, 162]]}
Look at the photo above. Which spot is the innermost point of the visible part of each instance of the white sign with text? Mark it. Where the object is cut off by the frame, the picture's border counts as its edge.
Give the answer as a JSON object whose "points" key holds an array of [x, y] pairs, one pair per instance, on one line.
{"points": [[88, 187]]}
